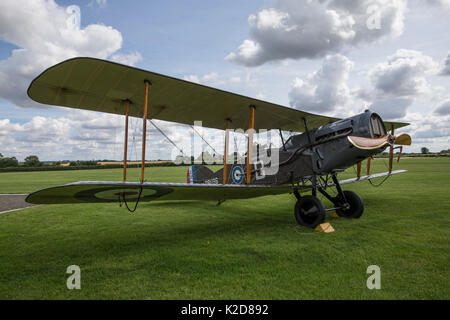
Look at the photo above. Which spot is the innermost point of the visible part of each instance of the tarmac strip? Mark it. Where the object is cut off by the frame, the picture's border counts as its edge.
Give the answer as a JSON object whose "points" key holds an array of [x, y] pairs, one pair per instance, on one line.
{"points": [[13, 202]]}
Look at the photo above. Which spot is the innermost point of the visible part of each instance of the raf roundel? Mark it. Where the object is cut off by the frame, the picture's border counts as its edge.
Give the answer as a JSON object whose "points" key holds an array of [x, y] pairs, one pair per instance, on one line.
{"points": [[238, 175]]}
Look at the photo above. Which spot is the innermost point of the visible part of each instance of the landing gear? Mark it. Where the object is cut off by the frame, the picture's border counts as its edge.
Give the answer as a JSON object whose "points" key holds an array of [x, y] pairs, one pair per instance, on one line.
{"points": [[309, 211], [354, 207]]}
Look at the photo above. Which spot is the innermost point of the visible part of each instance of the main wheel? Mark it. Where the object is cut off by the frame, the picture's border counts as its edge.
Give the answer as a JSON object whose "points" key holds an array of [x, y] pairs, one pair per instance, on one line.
{"points": [[355, 206], [309, 211]]}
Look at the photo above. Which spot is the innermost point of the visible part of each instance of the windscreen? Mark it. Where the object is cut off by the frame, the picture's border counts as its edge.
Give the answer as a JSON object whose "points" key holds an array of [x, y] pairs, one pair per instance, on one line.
{"points": [[377, 126]]}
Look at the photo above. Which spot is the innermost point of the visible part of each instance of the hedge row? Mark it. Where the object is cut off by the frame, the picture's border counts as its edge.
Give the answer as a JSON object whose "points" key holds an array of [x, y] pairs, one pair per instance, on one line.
{"points": [[415, 155], [107, 166]]}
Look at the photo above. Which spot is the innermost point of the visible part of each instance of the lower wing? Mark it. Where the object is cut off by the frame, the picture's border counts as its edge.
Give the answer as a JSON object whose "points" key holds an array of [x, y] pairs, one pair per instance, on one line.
{"points": [[104, 192]]}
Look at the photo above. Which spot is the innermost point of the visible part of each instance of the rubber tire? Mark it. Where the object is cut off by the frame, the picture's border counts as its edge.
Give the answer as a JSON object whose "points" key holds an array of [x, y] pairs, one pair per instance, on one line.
{"points": [[356, 206], [307, 203]]}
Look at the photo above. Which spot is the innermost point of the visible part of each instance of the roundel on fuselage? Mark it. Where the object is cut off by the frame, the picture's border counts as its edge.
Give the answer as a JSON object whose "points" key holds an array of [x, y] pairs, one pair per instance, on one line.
{"points": [[237, 175]]}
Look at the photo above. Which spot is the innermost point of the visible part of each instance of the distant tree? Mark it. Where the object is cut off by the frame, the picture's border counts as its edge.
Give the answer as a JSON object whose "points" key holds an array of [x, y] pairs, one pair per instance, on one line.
{"points": [[1, 156], [32, 161], [424, 150], [8, 162]]}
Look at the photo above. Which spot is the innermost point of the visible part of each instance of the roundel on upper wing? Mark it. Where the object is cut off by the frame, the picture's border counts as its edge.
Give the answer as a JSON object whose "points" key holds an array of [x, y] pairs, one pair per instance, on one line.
{"points": [[237, 175]]}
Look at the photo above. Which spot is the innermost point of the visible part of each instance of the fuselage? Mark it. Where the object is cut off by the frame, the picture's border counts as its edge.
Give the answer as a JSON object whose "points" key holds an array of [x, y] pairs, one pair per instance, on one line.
{"points": [[331, 150], [320, 151]]}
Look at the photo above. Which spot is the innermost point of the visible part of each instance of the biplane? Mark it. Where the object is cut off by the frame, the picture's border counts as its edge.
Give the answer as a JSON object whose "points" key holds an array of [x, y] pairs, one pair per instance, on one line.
{"points": [[309, 162]]}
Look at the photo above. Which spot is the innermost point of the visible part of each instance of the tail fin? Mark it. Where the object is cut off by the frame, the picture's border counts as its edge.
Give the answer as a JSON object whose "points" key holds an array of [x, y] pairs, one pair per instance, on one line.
{"points": [[198, 173]]}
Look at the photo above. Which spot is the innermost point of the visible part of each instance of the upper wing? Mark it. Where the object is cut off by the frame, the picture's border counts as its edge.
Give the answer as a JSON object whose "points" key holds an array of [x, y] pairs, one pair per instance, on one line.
{"points": [[99, 191], [99, 85]]}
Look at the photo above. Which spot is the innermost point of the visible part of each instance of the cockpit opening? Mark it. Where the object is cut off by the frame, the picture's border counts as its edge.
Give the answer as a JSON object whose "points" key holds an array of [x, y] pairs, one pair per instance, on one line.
{"points": [[377, 128]]}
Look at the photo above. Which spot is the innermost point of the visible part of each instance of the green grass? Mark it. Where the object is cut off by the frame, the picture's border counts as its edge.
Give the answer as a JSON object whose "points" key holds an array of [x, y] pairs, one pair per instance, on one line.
{"points": [[248, 249]]}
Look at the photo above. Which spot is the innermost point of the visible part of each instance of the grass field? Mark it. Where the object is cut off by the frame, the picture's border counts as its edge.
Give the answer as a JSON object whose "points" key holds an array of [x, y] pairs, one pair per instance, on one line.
{"points": [[251, 249]]}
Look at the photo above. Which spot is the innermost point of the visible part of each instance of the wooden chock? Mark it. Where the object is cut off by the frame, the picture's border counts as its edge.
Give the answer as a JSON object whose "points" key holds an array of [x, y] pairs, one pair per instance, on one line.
{"points": [[324, 227]]}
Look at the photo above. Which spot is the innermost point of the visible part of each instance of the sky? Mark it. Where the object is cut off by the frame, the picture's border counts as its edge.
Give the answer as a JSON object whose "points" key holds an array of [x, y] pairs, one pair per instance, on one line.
{"points": [[331, 57]]}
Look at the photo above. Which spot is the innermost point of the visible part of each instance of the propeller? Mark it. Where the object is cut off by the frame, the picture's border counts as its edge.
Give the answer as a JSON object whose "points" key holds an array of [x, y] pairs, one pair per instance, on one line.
{"points": [[375, 143], [402, 139]]}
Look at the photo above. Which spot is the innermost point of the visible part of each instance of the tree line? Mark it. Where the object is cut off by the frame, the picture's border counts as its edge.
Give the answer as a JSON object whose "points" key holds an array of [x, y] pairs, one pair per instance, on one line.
{"points": [[33, 161]]}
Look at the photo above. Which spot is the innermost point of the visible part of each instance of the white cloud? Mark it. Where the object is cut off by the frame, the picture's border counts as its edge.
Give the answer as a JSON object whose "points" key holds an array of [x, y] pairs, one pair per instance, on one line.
{"points": [[403, 74], [87, 135], [446, 66], [192, 78], [439, 3], [101, 3], [128, 59], [391, 108], [431, 130], [235, 80], [46, 34], [398, 82], [213, 79], [324, 90], [308, 29], [394, 86], [443, 109]]}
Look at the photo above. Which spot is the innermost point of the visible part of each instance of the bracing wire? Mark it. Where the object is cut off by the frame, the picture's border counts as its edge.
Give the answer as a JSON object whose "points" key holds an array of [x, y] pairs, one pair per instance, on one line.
{"points": [[203, 139], [170, 140], [370, 180], [378, 185], [385, 178], [133, 143], [126, 203]]}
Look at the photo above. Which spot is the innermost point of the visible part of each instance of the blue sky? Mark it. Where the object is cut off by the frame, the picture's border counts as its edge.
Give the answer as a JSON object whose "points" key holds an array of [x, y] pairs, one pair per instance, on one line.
{"points": [[398, 70]]}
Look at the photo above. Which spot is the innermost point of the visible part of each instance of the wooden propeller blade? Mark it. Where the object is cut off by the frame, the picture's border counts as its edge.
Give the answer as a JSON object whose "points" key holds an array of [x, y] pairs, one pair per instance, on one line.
{"points": [[403, 139]]}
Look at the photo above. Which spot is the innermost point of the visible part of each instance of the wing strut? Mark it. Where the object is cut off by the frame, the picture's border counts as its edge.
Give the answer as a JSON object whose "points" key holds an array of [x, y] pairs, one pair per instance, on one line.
{"points": [[125, 148], [144, 129], [391, 150], [225, 152], [358, 169], [251, 126]]}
